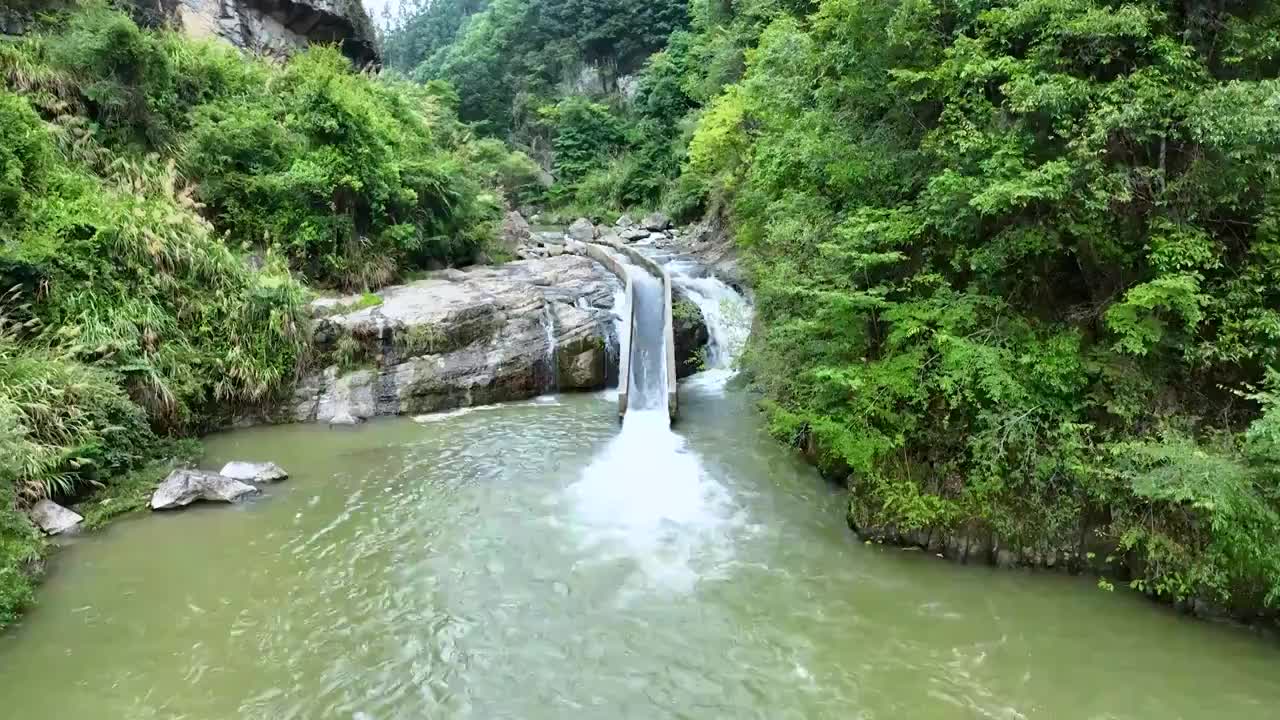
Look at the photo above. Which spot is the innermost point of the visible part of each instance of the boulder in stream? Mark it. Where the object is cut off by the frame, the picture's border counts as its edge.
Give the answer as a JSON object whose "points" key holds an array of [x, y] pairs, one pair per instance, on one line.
{"points": [[253, 472], [582, 230], [690, 334], [656, 222], [54, 519], [184, 487], [625, 222]]}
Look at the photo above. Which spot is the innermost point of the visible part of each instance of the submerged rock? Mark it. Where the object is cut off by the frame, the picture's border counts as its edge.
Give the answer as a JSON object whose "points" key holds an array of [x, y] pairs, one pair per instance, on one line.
{"points": [[184, 487], [490, 334], [254, 472], [54, 519]]}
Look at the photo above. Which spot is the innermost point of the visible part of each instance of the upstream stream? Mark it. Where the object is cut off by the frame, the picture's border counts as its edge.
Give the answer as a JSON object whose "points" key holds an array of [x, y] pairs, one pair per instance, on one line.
{"points": [[537, 560]]}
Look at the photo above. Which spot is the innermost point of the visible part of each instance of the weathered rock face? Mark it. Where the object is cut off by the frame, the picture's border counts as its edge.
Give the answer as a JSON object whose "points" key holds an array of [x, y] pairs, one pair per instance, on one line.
{"points": [[490, 334], [690, 334], [184, 487], [268, 27], [711, 243], [278, 27], [515, 232], [54, 519]]}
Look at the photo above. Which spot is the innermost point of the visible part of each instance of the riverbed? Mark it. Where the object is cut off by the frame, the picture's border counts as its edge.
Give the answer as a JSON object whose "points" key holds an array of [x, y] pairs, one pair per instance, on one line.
{"points": [[537, 560]]}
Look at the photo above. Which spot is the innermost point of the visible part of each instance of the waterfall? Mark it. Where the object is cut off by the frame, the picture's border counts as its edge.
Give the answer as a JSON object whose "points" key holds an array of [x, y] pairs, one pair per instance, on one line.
{"points": [[645, 497], [726, 312], [549, 327]]}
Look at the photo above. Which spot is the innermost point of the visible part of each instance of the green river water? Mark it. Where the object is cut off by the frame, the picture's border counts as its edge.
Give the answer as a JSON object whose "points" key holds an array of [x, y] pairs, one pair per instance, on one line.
{"points": [[538, 561]]}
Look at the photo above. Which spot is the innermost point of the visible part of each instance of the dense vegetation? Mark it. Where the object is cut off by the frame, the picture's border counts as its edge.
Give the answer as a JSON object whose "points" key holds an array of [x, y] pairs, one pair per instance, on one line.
{"points": [[1016, 260], [554, 78], [163, 203]]}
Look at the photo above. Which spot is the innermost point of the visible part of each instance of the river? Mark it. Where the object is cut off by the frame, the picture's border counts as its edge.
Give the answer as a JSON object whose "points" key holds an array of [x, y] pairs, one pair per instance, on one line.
{"points": [[538, 560]]}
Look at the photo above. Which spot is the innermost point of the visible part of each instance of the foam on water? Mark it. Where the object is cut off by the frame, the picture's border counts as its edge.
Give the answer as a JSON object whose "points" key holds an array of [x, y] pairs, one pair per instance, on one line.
{"points": [[646, 499], [726, 312]]}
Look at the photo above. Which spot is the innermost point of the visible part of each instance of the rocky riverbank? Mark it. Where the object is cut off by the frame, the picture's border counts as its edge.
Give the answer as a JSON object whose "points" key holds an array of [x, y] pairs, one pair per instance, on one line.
{"points": [[487, 334]]}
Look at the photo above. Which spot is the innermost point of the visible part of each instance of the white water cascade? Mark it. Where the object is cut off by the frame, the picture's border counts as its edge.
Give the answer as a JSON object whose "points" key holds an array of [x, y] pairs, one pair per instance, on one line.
{"points": [[646, 499]]}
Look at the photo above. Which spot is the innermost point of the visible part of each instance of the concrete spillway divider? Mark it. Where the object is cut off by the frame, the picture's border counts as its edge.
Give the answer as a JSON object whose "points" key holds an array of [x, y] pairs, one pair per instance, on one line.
{"points": [[602, 254]]}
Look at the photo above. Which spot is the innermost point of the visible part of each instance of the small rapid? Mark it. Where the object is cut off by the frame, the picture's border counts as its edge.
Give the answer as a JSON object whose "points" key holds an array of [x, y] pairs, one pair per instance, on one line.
{"points": [[726, 312]]}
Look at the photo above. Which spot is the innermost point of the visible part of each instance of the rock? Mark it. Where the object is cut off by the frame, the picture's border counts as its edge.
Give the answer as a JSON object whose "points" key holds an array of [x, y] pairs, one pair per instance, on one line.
{"points": [[711, 243], [689, 330], [657, 237], [582, 230], [502, 332], [344, 418], [625, 222], [264, 27], [633, 234], [54, 519], [656, 222], [184, 487], [253, 472], [515, 231]]}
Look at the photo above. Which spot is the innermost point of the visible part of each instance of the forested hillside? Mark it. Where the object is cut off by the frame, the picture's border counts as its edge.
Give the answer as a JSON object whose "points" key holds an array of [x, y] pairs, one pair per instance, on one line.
{"points": [[1016, 260], [164, 205]]}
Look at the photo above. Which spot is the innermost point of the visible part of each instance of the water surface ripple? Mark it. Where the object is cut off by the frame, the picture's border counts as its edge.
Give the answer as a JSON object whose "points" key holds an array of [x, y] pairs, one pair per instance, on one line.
{"points": [[536, 561]]}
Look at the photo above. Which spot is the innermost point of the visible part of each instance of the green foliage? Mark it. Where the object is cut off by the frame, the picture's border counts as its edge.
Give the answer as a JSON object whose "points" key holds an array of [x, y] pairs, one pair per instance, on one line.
{"points": [[157, 196], [342, 174], [509, 59], [585, 133], [513, 172], [1015, 263]]}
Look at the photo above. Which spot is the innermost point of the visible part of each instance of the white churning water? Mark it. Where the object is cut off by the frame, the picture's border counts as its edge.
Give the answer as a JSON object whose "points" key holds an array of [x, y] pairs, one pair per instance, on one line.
{"points": [[646, 497]]}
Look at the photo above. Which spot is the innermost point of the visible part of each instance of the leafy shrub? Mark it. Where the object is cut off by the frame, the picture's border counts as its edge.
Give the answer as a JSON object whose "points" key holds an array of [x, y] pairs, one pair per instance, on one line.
{"points": [[1015, 268], [338, 172]]}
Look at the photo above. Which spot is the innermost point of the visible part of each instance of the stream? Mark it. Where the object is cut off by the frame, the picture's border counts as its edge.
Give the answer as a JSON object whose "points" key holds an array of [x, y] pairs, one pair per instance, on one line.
{"points": [[538, 560]]}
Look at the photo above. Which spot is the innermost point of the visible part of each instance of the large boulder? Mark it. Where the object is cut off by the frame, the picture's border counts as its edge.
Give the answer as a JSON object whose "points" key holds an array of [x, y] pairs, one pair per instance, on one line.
{"points": [[633, 234], [515, 232], [625, 222], [491, 334], [184, 487], [253, 472], [656, 222], [54, 519], [582, 230], [689, 331]]}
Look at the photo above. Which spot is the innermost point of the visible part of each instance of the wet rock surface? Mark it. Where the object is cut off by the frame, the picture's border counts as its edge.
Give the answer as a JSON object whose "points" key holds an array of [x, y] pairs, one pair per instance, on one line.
{"points": [[458, 338]]}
